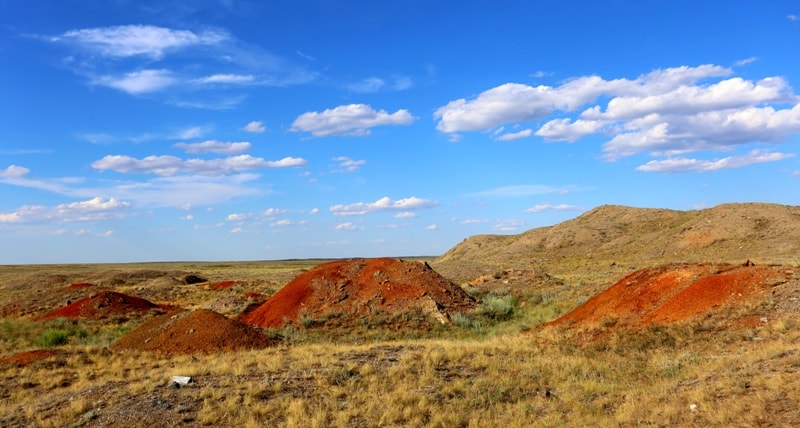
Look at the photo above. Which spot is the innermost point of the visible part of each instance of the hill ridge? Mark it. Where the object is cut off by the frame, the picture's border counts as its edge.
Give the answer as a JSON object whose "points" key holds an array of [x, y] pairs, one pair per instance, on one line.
{"points": [[609, 235]]}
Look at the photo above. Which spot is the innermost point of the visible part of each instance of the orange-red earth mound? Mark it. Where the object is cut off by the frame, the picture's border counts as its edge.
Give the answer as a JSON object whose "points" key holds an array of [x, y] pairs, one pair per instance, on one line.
{"points": [[362, 287], [673, 293], [104, 304], [29, 357], [192, 332]]}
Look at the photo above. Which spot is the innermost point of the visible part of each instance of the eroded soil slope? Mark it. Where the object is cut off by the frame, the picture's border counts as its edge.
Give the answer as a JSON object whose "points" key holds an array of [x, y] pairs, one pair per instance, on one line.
{"points": [[362, 287], [677, 292], [105, 304]]}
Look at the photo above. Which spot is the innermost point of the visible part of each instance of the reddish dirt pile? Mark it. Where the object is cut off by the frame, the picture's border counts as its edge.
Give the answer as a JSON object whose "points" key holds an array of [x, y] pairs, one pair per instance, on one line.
{"points": [[29, 357], [362, 287], [79, 286], [104, 304], [192, 332], [673, 293], [221, 285]]}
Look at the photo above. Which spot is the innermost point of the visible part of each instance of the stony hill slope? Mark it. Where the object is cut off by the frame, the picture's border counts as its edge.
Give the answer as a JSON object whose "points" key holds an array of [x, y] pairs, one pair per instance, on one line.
{"points": [[612, 235]]}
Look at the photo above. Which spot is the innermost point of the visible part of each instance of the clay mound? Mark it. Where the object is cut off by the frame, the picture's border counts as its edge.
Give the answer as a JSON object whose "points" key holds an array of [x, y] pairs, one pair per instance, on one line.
{"points": [[190, 332], [102, 305], [362, 287], [674, 293]]}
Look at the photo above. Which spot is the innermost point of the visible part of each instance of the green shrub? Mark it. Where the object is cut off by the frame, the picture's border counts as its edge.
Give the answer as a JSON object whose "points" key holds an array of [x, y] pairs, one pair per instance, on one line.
{"points": [[498, 308], [51, 338]]}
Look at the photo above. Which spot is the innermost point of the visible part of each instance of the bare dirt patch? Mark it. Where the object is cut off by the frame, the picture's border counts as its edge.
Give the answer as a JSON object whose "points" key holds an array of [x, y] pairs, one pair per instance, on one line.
{"points": [[29, 357], [362, 287]]}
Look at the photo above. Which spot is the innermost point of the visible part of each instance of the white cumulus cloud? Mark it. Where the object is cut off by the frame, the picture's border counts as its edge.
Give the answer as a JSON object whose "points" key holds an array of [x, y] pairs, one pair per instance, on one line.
{"points": [[348, 165], [382, 205], [95, 209], [352, 119], [255, 127]]}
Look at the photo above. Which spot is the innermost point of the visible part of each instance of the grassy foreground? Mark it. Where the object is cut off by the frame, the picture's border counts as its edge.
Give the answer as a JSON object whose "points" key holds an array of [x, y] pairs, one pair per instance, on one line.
{"points": [[546, 377], [495, 366]]}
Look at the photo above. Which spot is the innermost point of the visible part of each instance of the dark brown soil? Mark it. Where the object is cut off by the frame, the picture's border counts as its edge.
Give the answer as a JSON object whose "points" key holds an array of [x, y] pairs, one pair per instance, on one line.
{"points": [[362, 287], [192, 332]]}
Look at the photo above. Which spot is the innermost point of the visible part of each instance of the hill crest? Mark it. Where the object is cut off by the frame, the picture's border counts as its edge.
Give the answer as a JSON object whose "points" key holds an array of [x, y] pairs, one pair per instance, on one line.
{"points": [[611, 235]]}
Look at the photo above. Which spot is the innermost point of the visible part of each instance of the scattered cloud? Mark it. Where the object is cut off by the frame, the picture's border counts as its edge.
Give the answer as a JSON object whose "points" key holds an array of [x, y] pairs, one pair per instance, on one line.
{"points": [[303, 55], [352, 119], [370, 84], [346, 226], [138, 40], [171, 165], [255, 127], [431, 227], [95, 209], [473, 221], [382, 205], [214, 146], [681, 164], [406, 214], [539, 74], [229, 79], [348, 165], [746, 61], [14, 171], [519, 190], [138, 82], [314, 211], [239, 217], [508, 225], [271, 212], [550, 207], [511, 136], [375, 84], [793, 17]]}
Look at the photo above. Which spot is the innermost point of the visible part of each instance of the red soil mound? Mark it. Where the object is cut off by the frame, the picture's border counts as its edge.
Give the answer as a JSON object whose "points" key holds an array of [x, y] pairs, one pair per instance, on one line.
{"points": [[362, 286], [29, 357], [102, 305], [79, 286], [673, 293], [190, 332], [221, 285]]}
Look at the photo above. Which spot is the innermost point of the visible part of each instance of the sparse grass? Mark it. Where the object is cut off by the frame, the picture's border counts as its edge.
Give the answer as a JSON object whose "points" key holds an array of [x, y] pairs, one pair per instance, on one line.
{"points": [[411, 370]]}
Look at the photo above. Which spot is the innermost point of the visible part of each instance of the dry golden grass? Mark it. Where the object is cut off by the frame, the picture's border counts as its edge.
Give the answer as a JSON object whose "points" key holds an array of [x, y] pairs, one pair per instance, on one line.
{"points": [[496, 369], [544, 378]]}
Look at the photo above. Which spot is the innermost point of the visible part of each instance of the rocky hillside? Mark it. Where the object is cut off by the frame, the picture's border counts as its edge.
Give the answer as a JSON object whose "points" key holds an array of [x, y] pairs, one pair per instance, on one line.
{"points": [[617, 238]]}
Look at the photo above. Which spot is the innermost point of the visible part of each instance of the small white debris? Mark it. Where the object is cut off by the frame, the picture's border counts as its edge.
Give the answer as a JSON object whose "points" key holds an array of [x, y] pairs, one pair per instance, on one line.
{"points": [[693, 407], [182, 380], [764, 319]]}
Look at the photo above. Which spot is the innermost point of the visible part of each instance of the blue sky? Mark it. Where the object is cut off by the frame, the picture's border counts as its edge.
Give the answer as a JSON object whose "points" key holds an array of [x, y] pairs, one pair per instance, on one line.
{"points": [[246, 130]]}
